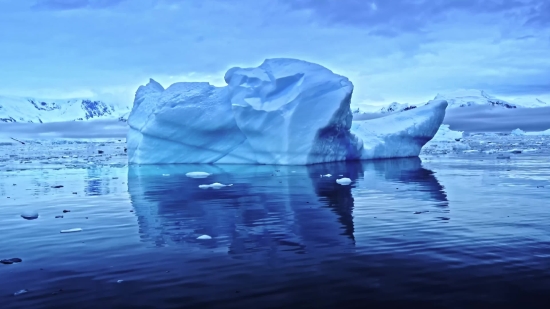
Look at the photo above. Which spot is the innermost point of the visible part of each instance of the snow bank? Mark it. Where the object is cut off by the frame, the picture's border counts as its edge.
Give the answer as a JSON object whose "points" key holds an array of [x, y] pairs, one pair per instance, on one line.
{"points": [[285, 111]]}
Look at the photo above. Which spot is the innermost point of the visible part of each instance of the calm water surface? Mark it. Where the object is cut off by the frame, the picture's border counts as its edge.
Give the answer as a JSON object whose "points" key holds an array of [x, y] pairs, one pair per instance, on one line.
{"points": [[452, 232]]}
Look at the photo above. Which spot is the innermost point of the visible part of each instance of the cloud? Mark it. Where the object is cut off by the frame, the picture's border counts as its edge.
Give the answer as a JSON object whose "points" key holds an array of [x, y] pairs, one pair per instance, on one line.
{"points": [[401, 15], [75, 4], [392, 50], [540, 15]]}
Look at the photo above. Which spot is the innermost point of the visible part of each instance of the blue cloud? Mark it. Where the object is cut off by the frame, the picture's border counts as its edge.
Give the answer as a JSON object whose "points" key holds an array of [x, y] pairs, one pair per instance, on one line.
{"points": [[75, 4], [398, 50]]}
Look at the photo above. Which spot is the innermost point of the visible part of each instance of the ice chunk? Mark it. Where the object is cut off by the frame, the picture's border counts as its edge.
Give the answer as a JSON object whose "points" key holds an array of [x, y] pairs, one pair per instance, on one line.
{"points": [[72, 230], [343, 181], [445, 134], [215, 185], [197, 174], [518, 132], [202, 237], [400, 134], [29, 215]]}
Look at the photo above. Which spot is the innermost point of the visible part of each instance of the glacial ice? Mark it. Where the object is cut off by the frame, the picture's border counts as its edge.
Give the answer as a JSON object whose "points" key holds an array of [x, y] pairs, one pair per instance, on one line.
{"points": [[517, 132], [400, 134], [446, 141], [186, 123], [285, 112]]}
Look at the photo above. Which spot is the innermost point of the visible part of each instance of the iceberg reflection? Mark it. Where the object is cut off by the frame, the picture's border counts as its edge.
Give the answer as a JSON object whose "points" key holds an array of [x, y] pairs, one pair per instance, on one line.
{"points": [[269, 210]]}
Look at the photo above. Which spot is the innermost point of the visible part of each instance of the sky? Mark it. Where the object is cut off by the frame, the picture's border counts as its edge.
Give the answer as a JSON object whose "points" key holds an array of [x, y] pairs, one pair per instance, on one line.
{"points": [[392, 50]]}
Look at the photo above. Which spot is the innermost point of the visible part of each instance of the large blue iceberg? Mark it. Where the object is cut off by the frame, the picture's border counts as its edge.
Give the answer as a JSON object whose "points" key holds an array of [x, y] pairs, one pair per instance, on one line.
{"points": [[286, 111]]}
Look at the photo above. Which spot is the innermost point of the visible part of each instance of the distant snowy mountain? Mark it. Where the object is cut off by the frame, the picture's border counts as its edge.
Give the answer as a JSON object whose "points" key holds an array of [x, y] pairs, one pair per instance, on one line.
{"points": [[458, 99], [465, 98], [392, 108], [29, 110], [529, 102]]}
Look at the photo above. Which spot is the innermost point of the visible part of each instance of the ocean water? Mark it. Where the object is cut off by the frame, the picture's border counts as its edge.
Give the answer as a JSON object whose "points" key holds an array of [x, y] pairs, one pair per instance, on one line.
{"points": [[454, 231]]}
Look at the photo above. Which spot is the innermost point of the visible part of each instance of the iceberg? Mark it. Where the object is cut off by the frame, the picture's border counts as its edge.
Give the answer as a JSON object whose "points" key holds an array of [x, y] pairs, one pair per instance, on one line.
{"points": [[400, 135], [284, 112], [546, 132], [446, 141], [517, 132]]}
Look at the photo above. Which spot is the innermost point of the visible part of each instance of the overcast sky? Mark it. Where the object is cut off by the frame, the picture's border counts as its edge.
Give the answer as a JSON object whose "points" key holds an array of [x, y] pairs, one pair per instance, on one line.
{"points": [[392, 50]]}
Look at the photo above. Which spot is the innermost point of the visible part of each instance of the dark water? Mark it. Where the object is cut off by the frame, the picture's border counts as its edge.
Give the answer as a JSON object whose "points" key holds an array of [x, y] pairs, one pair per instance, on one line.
{"points": [[446, 233]]}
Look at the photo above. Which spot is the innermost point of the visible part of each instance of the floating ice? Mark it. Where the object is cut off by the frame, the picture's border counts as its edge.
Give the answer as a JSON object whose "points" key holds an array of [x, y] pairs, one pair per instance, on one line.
{"points": [[343, 181], [198, 174], [204, 237], [547, 132], [286, 112], [72, 230], [29, 215], [215, 185], [518, 132], [400, 134], [23, 291]]}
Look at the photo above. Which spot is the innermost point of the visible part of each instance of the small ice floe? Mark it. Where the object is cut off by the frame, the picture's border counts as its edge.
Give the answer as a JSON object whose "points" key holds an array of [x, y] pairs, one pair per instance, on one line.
{"points": [[72, 230], [29, 215], [23, 291], [327, 175], [530, 150], [470, 151], [215, 185], [202, 237], [198, 174], [165, 175], [119, 281], [490, 151], [343, 181], [516, 151]]}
